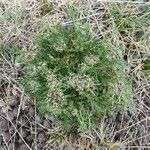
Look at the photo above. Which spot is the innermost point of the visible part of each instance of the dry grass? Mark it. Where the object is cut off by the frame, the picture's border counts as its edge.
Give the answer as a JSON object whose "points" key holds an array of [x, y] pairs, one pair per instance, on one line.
{"points": [[20, 20]]}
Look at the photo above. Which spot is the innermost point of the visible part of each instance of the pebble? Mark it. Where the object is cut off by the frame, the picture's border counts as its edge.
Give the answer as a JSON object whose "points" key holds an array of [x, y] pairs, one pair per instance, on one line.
{"points": [[23, 133], [10, 146], [38, 119], [12, 130], [23, 147], [4, 125], [50, 118], [26, 109], [30, 138], [13, 103], [40, 146], [46, 124], [15, 112], [7, 130], [11, 116], [6, 136], [41, 138], [31, 111]]}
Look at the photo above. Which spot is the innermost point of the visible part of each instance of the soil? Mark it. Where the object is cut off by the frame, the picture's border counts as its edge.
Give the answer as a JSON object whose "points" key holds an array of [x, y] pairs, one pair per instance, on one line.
{"points": [[22, 129]]}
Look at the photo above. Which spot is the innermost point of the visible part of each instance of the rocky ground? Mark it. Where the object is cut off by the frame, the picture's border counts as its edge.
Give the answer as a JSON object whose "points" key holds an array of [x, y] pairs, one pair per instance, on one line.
{"points": [[20, 129]]}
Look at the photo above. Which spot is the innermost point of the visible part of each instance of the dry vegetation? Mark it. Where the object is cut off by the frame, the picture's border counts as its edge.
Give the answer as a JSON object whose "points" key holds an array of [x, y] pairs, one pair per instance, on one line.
{"points": [[127, 25]]}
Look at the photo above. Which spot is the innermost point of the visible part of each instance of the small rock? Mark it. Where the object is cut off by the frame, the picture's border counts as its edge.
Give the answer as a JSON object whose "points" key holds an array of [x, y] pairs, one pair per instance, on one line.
{"points": [[23, 133], [23, 147], [31, 111], [15, 112], [26, 109], [29, 138], [13, 103], [41, 138], [38, 119], [4, 125], [12, 130], [6, 136], [50, 118], [46, 124], [2, 111], [40, 146], [10, 146], [39, 130], [11, 116], [20, 140]]}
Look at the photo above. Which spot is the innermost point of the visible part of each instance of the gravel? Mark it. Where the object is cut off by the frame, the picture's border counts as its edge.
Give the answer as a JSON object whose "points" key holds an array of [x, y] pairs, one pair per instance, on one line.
{"points": [[25, 124]]}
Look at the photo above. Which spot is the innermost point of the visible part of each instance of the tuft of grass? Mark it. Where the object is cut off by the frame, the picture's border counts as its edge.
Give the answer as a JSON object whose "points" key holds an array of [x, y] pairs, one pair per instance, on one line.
{"points": [[74, 77], [11, 60]]}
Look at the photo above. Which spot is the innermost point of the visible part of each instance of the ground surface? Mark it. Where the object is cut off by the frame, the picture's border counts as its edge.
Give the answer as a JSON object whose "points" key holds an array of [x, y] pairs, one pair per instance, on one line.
{"points": [[21, 127]]}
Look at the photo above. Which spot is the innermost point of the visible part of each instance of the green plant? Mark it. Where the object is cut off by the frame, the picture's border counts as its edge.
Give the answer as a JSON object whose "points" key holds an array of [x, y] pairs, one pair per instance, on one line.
{"points": [[11, 61], [76, 77], [46, 6]]}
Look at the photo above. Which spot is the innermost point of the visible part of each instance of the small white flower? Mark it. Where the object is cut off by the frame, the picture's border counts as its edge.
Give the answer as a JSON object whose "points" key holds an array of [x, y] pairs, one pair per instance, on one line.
{"points": [[56, 97], [81, 82], [53, 82]]}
